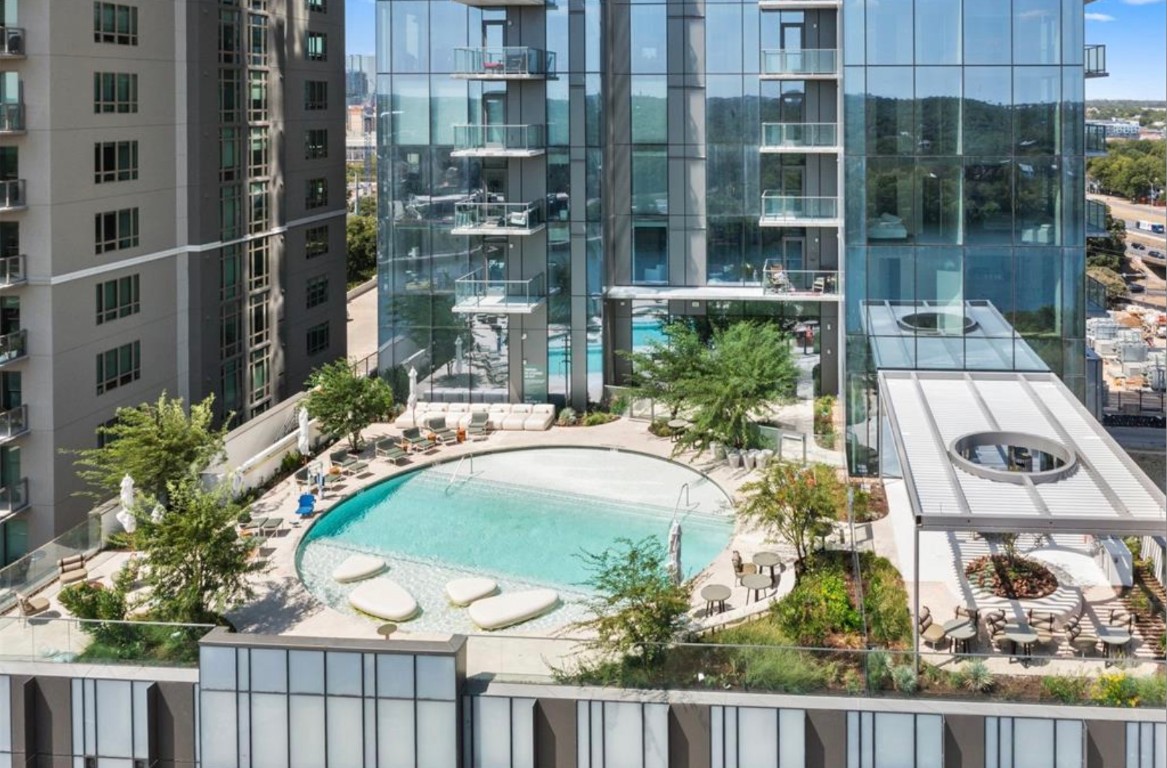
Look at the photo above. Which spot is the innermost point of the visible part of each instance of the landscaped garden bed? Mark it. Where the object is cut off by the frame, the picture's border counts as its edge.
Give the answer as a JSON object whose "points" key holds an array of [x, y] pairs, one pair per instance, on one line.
{"points": [[1011, 577]]}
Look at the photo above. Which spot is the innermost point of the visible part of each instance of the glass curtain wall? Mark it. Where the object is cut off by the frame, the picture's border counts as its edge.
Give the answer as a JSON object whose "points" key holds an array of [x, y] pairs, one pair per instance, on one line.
{"points": [[964, 193]]}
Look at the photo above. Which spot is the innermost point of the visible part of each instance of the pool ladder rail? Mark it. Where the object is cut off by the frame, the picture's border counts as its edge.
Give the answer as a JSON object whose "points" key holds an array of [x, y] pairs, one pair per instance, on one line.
{"points": [[457, 469], [683, 493]]}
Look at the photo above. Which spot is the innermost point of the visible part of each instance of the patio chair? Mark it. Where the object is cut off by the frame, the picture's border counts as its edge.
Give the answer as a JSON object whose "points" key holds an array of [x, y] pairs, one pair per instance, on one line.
{"points": [[31, 606], [963, 611], [388, 448], [931, 632], [479, 422], [1080, 642], [342, 459], [437, 425], [307, 505], [747, 569], [1120, 617], [996, 628], [1039, 620], [72, 569], [413, 438]]}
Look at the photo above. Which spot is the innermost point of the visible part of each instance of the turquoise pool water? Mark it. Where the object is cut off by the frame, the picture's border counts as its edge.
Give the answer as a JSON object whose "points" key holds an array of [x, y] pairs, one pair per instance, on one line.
{"points": [[513, 521], [643, 333]]}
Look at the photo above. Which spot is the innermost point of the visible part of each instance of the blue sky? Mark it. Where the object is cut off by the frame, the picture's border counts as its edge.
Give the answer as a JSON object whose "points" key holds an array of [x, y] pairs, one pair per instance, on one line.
{"points": [[1133, 31]]}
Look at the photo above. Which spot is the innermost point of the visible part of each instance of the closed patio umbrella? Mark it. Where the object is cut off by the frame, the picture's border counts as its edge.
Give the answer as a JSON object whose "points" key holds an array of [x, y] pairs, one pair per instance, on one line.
{"points": [[675, 550], [303, 439]]}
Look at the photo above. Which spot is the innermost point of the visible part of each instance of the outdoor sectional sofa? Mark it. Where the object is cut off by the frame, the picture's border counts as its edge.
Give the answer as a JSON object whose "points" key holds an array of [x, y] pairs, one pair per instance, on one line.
{"points": [[504, 416]]}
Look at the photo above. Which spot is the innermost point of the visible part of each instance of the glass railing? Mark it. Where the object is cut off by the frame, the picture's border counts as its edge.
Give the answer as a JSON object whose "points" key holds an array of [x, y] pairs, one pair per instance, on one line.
{"points": [[1095, 139], [1095, 61], [498, 217], [477, 291], [64, 640], [12, 194], [11, 41], [12, 271], [11, 117], [1096, 219], [779, 135], [776, 279], [822, 61], [14, 497], [503, 62], [1097, 297], [13, 422], [13, 346], [779, 207], [499, 138]]}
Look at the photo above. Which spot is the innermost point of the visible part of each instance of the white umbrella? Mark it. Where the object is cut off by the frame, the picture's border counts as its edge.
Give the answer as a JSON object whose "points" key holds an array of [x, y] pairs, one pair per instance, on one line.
{"points": [[127, 520], [303, 442], [675, 550], [411, 403], [458, 355], [127, 494]]}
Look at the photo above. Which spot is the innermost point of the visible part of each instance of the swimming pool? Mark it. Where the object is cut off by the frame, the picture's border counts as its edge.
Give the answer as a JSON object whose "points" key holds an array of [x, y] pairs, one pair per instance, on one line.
{"points": [[521, 517], [644, 331]]}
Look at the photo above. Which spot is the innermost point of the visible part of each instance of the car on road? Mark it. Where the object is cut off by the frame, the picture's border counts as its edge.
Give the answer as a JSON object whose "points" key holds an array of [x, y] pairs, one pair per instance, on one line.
{"points": [[1155, 254], [1136, 287], [1138, 246]]}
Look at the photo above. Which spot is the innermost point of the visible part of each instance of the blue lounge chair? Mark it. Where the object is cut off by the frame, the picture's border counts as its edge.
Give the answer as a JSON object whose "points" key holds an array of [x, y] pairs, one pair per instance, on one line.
{"points": [[307, 505]]}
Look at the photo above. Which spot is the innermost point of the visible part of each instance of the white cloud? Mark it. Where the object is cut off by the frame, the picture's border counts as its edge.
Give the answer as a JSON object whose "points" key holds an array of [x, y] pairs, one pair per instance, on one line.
{"points": [[1099, 17], [1141, 2]]}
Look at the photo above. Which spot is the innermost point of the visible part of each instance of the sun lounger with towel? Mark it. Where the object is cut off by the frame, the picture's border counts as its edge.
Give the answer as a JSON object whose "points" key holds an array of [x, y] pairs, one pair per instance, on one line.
{"points": [[437, 425], [413, 438]]}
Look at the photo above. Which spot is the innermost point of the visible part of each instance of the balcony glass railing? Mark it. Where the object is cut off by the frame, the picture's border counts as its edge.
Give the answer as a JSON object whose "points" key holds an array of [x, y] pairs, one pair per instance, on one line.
{"points": [[11, 41], [799, 135], [1096, 219], [13, 422], [14, 497], [499, 138], [12, 117], [776, 279], [1096, 61], [1096, 295], [822, 61], [779, 207], [490, 218], [503, 62], [12, 271], [1095, 139], [12, 194], [13, 346], [476, 291]]}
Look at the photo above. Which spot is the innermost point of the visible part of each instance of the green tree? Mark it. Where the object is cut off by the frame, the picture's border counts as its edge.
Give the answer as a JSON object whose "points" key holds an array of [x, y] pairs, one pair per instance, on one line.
{"points": [[361, 242], [1131, 168], [344, 402], [795, 504], [638, 608], [155, 444], [660, 370], [747, 369], [1108, 252], [196, 564]]}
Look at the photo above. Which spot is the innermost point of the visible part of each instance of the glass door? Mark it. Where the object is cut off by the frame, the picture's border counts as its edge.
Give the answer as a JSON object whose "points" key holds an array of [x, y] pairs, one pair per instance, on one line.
{"points": [[793, 249], [494, 117]]}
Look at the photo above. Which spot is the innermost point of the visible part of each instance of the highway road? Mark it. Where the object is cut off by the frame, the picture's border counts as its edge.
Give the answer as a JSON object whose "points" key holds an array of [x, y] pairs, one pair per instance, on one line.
{"points": [[1140, 438], [1130, 213]]}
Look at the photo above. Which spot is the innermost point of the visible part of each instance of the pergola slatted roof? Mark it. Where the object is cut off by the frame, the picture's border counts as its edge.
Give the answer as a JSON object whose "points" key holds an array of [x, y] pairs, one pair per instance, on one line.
{"points": [[1103, 493]]}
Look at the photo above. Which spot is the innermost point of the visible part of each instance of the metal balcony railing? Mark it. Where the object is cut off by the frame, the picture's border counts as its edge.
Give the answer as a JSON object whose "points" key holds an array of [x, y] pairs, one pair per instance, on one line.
{"points": [[777, 136], [776, 279], [14, 497], [497, 218], [499, 140], [13, 423], [504, 3], [476, 292], [1096, 61], [503, 63], [12, 195], [1096, 219], [12, 42], [12, 117], [12, 272], [13, 346], [1095, 139], [779, 208], [809, 61]]}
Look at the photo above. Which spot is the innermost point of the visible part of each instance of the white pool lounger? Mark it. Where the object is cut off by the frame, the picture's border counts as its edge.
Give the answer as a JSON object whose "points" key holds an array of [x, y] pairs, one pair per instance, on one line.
{"points": [[467, 590], [512, 608], [385, 599], [358, 567]]}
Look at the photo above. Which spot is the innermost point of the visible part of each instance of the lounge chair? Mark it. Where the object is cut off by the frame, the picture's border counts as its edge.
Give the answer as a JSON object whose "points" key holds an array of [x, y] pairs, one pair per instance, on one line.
{"points": [[31, 606], [307, 505], [478, 424], [413, 438], [342, 459], [271, 526], [72, 569], [388, 448], [931, 632], [437, 425]]}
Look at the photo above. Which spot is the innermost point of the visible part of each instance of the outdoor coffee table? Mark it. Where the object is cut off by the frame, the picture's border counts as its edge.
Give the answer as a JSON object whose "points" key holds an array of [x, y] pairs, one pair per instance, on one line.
{"points": [[1114, 640], [677, 427], [1022, 635], [961, 630], [768, 560], [756, 582], [715, 594]]}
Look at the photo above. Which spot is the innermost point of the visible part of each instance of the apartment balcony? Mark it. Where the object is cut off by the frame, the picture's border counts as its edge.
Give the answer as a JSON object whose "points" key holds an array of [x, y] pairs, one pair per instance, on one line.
{"points": [[13, 347], [497, 218], [779, 282], [476, 292], [13, 498], [504, 3], [799, 137], [1096, 219], [802, 64], [11, 42], [779, 210], [1096, 61], [512, 63], [499, 141], [12, 271], [12, 195], [796, 5], [1095, 140], [13, 423], [11, 118]]}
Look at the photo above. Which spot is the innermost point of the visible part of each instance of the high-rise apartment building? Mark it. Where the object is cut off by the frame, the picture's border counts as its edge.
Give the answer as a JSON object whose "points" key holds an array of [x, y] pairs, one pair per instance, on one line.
{"points": [[904, 180], [171, 220]]}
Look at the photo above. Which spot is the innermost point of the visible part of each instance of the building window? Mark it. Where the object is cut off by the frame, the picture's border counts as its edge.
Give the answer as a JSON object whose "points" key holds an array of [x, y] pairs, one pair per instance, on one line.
{"points": [[316, 194], [104, 436], [115, 92], [230, 211], [758, 736], [229, 48], [257, 39], [119, 366], [230, 96], [230, 329], [116, 230], [880, 739], [230, 155], [260, 327], [1146, 744], [118, 298], [257, 101], [230, 275], [317, 46], [231, 385], [113, 23], [259, 253], [318, 6], [317, 291], [257, 5], [316, 144], [1034, 742], [115, 161], [258, 198], [315, 94], [316, 241], [317, 339], [258, 153], [260, 380]]}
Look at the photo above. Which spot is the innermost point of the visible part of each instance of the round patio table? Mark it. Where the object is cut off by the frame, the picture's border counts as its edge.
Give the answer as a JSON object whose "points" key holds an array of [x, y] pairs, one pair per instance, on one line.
{"points": [[769, 560], [961, 630], [1021, 635], [676, 427], [1114, 640], [715, 594], [756, 582], [385, 630]]}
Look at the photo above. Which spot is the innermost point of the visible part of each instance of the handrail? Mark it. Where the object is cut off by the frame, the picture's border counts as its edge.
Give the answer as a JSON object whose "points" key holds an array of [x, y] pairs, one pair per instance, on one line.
{"points": [[683, 492], [462, 461]]}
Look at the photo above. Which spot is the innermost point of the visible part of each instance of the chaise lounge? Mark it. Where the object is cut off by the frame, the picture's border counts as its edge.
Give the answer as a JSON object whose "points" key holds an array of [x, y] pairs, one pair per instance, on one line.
{"points": [[412, 437], [388, 448], [437, 425], [72, 569]]}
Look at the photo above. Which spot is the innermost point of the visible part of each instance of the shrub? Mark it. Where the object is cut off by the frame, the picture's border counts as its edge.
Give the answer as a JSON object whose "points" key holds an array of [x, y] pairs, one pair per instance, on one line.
{"points": [[904, 678], [878, 669], [619, 405], [1117, 689], [1152, 690], [885, 601], [975, 676], [1067, 689], [824, 424], [567, 418], [291, 461], [819, 606], [660, 428], [783, 669], [596, 418]]}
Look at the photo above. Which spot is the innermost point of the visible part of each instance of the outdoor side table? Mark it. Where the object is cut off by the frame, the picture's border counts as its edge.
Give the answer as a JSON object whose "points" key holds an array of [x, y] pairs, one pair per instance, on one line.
{"points": [[715, 594], [769, 560], [961, 631], [756, 582], [676, 428], [1021, 635], [386, 630], [1114, 640]]}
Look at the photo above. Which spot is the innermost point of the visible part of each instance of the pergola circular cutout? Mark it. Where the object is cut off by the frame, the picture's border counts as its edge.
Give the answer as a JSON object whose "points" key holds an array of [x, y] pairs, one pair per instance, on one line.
{"points": [[1012, 457], [938, 323]]}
